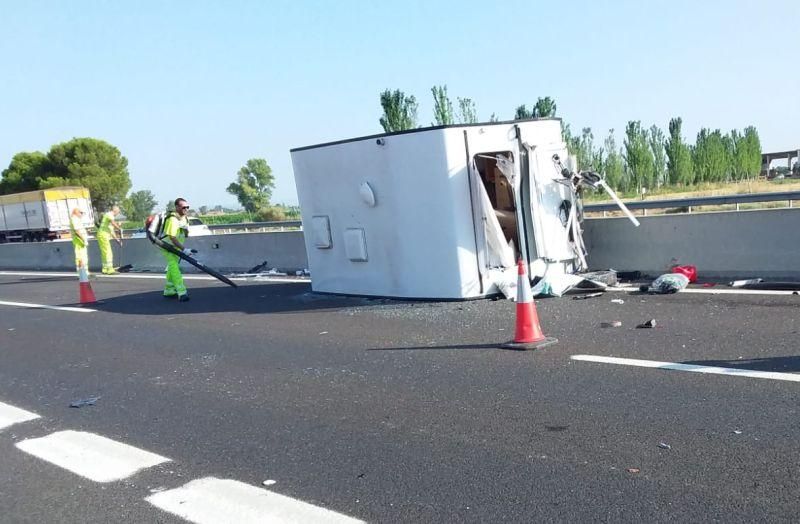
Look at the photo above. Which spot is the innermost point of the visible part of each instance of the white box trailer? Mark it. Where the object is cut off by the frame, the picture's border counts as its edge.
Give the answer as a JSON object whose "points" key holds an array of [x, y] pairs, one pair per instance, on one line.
{"points": [[43, 214], [437, 213]]}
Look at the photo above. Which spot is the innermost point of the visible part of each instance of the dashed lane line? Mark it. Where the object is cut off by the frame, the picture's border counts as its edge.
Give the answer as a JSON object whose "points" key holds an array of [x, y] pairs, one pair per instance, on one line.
{"points": [[694, 368], [204, 501], [214, 501], [91, 456], [28, 305], [10, 415]]}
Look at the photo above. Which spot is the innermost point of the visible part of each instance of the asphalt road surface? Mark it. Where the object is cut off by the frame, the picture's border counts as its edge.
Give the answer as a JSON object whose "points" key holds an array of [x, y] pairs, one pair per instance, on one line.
{"points": [[269, 401]]}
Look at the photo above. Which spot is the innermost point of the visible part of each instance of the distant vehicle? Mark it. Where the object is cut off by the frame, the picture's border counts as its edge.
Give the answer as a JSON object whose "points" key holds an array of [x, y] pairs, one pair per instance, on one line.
{"points": [[35, 216], [196, 229]]}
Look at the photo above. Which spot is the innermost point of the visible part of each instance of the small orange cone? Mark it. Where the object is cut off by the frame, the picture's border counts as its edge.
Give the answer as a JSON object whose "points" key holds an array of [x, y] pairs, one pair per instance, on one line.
{"points": [[528, 333], [85, 288]]}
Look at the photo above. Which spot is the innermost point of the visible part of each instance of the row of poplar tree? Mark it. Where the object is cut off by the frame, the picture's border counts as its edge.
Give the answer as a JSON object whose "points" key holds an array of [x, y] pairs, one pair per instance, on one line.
{"points": [[648, 157]]}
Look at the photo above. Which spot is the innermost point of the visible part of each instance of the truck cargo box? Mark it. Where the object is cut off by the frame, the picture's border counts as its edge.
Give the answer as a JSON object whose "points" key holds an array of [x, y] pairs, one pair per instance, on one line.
{"points": [[441, 212]]}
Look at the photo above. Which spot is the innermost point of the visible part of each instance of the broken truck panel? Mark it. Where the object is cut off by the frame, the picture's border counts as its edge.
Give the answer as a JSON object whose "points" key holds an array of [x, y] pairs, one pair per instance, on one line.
{"points": [[437, 213]]}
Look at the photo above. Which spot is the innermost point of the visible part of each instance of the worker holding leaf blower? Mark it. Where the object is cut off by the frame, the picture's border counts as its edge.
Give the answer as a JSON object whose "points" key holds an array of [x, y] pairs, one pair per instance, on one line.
{"points": [[176, 229]]}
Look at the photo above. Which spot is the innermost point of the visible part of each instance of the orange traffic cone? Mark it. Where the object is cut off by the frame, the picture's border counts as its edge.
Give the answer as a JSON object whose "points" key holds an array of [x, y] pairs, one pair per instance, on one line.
{"points": [[85, 288], [528, 333]]}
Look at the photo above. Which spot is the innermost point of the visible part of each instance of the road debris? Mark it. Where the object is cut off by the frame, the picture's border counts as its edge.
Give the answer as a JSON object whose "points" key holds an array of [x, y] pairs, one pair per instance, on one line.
{"points": [[617, 301], [737, 431], [648, 325], [666, 284], [742, 283], [259, 268], [269, 482], [588, 295], [664, 445], [632, 470], [80, 403], [323, 332], [688, 270], [613, 324]]}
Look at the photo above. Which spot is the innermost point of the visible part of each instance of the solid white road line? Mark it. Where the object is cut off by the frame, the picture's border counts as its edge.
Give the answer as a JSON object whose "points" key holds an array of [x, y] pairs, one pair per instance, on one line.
{"points": [[9, 415], [45, 306], [153, 276], [211, 501], [674, 366], [97, 458], [719, 290]]}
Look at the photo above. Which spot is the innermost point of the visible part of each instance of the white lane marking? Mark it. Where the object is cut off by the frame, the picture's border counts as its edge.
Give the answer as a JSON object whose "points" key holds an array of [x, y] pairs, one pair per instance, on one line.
{"points": [[211, 501], [97, 458], [711, 291], [45, 306], [674, 366], [9, 415], [154, 276]]}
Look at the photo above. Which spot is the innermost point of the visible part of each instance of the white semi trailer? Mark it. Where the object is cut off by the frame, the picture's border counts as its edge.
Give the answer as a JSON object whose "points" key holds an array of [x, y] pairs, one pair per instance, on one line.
{"points": [[441, 212], [42, 215]]}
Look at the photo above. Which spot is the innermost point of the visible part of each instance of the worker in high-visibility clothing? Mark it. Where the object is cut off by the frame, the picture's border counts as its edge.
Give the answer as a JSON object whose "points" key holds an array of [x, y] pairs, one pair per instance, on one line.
{"points": [[176, 229], [109, 228], [80, 240]]}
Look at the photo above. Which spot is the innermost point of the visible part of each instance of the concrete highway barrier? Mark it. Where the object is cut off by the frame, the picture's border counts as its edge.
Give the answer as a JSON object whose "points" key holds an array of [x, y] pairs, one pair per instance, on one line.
{"points": [[725, 245], [229, 253]]}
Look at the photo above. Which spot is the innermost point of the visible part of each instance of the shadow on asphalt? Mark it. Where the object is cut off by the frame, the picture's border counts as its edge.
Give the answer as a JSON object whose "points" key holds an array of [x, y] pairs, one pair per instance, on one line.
{"points": [[446, 346], [250, 299], [777, 364]]}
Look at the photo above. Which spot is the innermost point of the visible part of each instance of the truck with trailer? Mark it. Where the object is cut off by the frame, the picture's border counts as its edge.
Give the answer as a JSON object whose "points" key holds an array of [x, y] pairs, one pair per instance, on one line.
{"points": [[36, 216]]}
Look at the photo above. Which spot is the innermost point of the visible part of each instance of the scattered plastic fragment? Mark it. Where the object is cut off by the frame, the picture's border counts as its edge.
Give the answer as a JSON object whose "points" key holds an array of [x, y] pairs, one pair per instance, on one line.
{"points": [[632, 470], [742, 283], [614, 324], [737, 431], [89, 401], [648, 325], [588, 295], [11, 329], [269, 482], [664, 445], [323, 332], [617, 301]]}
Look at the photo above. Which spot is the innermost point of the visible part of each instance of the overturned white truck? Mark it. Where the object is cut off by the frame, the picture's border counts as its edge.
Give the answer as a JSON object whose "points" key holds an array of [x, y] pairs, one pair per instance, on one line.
{"points": [[441, 212]]}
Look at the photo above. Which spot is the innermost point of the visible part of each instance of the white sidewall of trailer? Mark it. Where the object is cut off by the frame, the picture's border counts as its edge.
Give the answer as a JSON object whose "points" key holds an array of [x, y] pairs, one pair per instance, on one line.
{"points": [[415, 234]]}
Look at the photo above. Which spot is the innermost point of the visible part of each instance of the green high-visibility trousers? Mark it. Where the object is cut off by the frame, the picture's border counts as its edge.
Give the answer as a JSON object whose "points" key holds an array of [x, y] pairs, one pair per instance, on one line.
{"points": [[106, 253], [174, 285]]}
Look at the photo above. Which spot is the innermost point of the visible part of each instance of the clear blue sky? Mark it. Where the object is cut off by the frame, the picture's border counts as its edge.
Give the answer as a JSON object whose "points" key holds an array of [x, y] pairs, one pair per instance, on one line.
{"points": [[189, 90]]}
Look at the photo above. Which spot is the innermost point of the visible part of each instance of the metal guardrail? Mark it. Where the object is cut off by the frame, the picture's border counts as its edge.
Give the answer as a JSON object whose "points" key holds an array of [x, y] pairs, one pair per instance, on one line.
{"points": [[257, 225], [698, 201], [243, 227]]}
